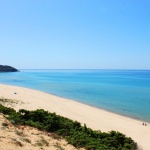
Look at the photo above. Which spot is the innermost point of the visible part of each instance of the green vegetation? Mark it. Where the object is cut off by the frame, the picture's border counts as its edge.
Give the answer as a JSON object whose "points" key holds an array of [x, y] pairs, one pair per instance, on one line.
{"points": [[72, 131], [42, 142]]}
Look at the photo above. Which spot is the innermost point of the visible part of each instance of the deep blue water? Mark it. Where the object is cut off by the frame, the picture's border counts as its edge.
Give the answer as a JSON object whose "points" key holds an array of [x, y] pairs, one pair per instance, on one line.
{"points": [[126, 92]]}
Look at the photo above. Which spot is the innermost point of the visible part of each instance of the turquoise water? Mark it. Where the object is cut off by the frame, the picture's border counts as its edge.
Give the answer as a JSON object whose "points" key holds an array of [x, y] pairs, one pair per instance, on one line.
{"points": [[126, 92]]}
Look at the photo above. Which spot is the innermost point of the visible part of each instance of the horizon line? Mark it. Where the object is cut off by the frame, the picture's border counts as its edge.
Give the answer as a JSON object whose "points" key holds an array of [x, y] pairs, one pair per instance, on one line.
{"points": [[79, 69]]}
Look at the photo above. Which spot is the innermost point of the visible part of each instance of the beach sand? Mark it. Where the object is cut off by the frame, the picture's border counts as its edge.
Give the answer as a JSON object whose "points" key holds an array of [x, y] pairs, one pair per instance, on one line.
{"points": [[94, 118]]}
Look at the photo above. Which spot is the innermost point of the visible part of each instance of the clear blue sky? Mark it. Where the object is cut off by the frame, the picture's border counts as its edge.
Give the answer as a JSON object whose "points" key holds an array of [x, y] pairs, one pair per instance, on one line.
{"points": [[71, 34]]}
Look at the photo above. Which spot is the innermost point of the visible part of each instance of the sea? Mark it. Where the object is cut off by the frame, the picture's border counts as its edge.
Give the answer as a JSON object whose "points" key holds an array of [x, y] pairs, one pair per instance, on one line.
{"points": [[125, 92]]}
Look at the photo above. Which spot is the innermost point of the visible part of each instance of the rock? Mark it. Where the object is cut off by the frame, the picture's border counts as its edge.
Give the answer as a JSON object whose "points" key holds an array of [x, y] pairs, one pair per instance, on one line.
{"points": [[7, 69]]}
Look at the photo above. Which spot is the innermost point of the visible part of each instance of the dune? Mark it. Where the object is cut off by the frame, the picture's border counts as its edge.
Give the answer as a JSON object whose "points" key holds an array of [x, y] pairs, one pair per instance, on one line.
{"points": [[29, 138]]}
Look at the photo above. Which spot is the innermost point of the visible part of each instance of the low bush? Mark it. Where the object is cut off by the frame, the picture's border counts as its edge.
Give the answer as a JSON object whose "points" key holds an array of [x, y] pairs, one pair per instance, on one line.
{"points": [[72, 131]]}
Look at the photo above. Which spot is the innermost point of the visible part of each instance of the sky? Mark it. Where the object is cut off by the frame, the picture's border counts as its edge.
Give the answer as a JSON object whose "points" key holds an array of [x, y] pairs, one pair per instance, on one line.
{"points": [[75, 34]]}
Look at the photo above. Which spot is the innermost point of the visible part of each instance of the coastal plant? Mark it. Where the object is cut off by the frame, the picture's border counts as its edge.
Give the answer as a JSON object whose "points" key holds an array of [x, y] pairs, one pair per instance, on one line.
{"points": [[20, 133], [4, 124], [6, 110], [44, 142], [59, 147], [72, 131], [25, 140], [39, 143], [15, 141]]}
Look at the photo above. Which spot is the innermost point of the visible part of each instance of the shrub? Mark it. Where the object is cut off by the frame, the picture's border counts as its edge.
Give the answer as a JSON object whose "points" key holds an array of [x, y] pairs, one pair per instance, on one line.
{"points": [[72, 131]]}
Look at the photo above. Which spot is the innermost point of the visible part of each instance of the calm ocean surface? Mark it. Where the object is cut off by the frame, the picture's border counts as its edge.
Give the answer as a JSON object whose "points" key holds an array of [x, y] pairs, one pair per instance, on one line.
{"points": [[126, 92]]}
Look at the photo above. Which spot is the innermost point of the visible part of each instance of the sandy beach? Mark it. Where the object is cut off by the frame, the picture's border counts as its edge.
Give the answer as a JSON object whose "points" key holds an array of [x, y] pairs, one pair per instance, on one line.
{"points": [[94, 118]]}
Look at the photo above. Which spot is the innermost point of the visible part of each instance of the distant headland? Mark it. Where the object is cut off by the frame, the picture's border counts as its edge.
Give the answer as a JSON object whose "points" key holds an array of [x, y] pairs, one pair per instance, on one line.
{"points": [[6, 68]]}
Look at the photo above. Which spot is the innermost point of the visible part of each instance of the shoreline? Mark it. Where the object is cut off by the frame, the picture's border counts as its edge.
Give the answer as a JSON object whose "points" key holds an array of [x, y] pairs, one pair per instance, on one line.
{"points": [[126, 116], [68, 99], [102, 109], [94, 117]]}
